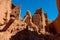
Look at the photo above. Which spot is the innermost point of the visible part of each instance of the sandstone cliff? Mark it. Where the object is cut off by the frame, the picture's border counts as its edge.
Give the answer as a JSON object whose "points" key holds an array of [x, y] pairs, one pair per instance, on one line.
{"points": [[36, 27]]}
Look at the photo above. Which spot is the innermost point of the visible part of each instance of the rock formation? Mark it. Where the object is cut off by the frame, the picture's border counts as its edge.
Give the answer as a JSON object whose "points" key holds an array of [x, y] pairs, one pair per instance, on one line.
{"points": [[36, 27], [39, 19], [15, 12], [28, 21], [5, 10], [56, 23], [11, 16]]}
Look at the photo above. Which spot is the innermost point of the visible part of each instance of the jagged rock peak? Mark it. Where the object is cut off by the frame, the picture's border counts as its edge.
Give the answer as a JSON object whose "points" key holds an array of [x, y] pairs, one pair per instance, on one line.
{"points": [[27, 16], [13, 6], [15, 12], [46, 15], [39, 11], [28, 13]]}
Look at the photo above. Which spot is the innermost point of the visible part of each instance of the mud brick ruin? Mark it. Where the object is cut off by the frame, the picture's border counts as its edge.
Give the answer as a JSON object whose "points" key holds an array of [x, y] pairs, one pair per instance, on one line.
{"points": [[11, 23]]}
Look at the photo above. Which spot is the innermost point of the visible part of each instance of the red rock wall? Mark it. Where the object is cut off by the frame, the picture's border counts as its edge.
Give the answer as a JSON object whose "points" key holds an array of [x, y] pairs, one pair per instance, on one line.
{"points": [[56, 22]]}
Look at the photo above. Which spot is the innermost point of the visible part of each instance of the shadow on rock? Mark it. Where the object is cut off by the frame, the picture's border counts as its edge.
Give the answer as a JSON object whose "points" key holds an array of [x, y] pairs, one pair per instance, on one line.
{"points": [[31, 35]]}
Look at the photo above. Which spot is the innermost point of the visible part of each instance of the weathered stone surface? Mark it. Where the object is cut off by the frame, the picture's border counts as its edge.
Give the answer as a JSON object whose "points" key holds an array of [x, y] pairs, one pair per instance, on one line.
{"points": [[39, 19], [15, 27], [36, 27], [15, 12], [13, 23], [28, 21], [5, 10], [27, 18]]}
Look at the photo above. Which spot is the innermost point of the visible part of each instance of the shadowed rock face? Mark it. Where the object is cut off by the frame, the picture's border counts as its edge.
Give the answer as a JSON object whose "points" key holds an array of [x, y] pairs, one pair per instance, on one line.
{"points": [[32, 35], [56, 23], [58, 5]]}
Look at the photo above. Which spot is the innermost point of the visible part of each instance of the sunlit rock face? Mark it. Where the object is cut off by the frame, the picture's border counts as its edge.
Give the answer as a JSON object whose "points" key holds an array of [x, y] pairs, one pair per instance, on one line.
{"points": [[28, 21], [5, 10], [27, 18], [37, 22], [5, 7], [40, 19], [13, 23], [15, 12], [31, 28]]}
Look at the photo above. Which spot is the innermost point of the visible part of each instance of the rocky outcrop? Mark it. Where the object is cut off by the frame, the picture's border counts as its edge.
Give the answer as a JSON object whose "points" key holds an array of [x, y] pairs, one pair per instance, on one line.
{"points": [[36, 27], [39, 20], [5, 10], [13, 23], [15, 12], [56, 22], [28, 21], [32, 35]]}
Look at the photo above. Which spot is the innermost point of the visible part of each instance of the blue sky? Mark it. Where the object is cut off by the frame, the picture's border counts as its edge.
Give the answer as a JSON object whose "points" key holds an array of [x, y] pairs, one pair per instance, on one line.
{"points": [[48, 6]]}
